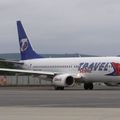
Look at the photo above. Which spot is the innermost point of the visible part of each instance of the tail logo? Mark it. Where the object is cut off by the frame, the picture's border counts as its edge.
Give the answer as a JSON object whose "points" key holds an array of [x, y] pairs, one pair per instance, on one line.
{"points": [[23, 45]]}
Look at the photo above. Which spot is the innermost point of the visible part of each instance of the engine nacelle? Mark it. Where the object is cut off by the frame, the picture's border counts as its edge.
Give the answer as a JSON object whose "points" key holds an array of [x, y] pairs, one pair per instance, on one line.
{"points": [[63, 80]]}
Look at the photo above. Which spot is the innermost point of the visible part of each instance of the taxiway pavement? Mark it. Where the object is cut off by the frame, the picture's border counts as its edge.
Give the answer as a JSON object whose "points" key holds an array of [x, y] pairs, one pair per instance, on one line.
{"points": [[36, 97], [71, 104], [35, 113]]}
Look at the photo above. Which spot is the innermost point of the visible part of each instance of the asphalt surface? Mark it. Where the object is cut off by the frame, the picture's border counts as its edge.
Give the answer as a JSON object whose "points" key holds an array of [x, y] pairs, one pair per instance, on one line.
{"points": [[47, 97], [43, 113], [44, 103]]}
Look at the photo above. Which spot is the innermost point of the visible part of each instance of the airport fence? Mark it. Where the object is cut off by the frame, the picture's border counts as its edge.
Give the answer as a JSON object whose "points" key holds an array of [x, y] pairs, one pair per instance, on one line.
{"points": [[22, 81]]}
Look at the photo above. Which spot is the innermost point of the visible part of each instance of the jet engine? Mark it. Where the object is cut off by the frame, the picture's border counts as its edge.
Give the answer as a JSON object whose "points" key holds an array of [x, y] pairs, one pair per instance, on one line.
{"points": [[63, 80]]}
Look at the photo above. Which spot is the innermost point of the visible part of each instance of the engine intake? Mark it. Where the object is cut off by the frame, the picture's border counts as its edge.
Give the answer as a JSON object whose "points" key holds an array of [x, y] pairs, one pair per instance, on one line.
{"points": [[69, 80]]}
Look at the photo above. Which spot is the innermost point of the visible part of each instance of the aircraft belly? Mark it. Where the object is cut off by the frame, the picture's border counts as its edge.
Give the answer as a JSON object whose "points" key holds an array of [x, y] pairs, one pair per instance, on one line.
{"points": [[101, 78]]}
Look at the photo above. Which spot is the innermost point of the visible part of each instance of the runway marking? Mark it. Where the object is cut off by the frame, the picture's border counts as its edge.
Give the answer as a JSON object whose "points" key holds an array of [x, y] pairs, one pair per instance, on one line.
{"points": [[96, 105]]}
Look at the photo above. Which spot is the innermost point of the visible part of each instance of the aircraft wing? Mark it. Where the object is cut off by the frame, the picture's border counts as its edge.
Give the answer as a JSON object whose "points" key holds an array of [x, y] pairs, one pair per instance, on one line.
{"points": [[11, 61], [52, 74], [27, 71]]}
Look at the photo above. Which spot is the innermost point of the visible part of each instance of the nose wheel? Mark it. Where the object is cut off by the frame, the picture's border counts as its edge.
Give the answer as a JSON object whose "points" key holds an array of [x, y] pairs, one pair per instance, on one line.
{"points": [[88, 86]]}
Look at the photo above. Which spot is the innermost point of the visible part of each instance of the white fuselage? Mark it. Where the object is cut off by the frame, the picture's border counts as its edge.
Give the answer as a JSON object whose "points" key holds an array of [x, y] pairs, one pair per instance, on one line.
{"points": [[96, 69]]}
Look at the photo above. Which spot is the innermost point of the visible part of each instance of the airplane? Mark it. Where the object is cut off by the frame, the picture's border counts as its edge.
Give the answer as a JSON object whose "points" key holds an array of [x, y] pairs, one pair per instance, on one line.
{"points": [[65, 72]]}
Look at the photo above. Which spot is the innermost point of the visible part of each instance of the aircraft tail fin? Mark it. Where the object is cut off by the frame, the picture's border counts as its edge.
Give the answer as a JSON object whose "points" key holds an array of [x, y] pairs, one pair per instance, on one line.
{"points": [[26, 49]]}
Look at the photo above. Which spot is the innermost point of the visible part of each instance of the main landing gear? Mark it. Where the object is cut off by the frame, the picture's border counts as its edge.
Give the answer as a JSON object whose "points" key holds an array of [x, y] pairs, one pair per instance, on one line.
{"points": [[59, 88], [88, 86]]}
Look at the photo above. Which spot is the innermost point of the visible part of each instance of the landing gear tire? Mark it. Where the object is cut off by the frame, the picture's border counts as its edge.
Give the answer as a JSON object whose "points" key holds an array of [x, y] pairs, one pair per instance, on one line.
{"points": [[88, 86], [59, 88]]}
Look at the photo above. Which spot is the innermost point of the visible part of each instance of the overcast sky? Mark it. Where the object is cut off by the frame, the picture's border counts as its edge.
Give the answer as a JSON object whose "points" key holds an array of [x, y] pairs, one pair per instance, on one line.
{"points": [[62, 26]]}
